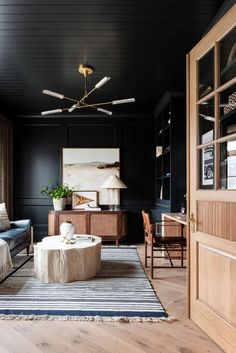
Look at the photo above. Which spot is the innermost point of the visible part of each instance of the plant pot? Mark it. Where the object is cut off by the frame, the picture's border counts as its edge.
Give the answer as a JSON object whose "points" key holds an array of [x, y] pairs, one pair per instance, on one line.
{"points": [[59, 204], [67, 230]]}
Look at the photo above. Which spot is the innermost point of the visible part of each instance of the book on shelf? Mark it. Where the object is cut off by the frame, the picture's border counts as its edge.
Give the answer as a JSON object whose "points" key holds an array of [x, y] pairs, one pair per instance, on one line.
{"points": [[82, 238]]}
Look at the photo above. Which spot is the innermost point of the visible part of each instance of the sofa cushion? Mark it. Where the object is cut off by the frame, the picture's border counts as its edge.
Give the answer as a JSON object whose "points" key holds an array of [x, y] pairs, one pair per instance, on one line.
{"points": [[4, 216], [15, 236]]}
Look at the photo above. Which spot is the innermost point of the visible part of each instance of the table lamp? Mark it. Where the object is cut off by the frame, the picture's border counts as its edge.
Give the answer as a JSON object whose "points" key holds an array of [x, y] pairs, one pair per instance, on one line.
{"points": [[113, 184]]}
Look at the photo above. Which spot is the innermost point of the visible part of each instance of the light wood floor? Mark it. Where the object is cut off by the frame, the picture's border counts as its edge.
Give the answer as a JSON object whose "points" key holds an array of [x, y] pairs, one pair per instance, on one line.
{"points": [[181, 336]]}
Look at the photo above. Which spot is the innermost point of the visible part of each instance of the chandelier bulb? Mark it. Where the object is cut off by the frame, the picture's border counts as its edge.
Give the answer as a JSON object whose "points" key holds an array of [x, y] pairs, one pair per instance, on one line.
{"points": [[123, 101], [102, 82], [71, 109], [108, 112], [53, 94], [48, 112]]}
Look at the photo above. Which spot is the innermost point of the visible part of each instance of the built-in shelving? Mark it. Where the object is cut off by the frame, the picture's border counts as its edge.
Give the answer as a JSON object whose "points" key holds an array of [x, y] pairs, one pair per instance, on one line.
{"points": [[170, 161]]}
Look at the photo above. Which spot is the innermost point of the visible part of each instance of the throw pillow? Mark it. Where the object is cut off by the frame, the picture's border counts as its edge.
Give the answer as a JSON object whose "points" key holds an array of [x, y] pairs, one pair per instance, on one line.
{"points": [[2, 228], [4, 216]]}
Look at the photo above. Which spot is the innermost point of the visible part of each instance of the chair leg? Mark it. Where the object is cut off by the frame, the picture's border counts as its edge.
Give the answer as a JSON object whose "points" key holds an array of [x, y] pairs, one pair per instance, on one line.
{"points": [[169, 256], [145, 254], [27, 250], [152, 261], [182, 255]]}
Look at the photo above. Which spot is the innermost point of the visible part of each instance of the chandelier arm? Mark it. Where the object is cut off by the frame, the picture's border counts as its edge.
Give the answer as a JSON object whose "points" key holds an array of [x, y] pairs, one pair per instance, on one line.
{"points": [[65, 109], [71, 99], [85, 105], [86, 95], [97, 86], [105, 111], [114, 102]]}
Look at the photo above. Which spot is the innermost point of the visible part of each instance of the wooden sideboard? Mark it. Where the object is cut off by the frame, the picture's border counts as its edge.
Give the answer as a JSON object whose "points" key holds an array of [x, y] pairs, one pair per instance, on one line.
{"points": [[109, 225]]}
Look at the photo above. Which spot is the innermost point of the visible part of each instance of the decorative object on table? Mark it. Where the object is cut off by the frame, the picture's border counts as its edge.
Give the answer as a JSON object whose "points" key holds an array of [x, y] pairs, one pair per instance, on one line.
{"points": [[121, 273], [82, 103], [84, 238], [84, 200], [67, 241], [89, 168], [113, 184], [58, 193], [67, 229]]}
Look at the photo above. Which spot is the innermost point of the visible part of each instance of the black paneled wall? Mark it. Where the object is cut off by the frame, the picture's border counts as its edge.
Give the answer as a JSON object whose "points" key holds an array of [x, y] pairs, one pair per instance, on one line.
{"points": [[38, 144]]}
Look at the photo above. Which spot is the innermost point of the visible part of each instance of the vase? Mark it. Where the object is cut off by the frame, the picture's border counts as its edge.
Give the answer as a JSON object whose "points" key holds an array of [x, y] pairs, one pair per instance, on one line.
{"points": [[59, 204], [67, 230]]}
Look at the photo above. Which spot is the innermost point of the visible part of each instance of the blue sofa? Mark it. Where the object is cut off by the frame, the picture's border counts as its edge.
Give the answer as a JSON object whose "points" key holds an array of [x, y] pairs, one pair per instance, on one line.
{"points": [[18, 237]]}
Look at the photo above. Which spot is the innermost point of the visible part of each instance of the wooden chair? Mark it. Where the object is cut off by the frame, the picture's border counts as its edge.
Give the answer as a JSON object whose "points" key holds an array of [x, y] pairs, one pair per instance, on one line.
{"points": [[164, 244]]}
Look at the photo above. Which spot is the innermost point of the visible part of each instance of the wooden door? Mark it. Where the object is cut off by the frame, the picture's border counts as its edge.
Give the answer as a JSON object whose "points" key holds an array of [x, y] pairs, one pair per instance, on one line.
{"points": [[212, 182]]}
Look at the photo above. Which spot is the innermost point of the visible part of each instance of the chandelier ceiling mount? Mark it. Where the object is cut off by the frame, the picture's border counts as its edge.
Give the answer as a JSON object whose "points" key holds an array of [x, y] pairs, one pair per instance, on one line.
{"points": [[85, 69]]}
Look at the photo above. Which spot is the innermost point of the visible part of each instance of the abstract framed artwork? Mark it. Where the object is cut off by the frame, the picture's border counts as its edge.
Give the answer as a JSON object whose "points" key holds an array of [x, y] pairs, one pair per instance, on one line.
{"points": [[84, 200], [88, 168]]}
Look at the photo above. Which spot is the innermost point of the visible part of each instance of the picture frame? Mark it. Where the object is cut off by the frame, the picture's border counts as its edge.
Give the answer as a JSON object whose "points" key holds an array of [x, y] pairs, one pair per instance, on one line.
{"points": [[208, 167], [84, 200], [159, 151], [88, 169]]}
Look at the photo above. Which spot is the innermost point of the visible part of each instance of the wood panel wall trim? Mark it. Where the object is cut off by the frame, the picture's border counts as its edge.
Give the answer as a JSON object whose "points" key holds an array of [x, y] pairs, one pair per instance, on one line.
{"points": [[217, 251], [221, 244], [220, 268], [213, 218]]}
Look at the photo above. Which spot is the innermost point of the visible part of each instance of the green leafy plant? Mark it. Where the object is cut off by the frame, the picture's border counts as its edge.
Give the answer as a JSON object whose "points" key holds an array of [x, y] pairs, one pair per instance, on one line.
{"points": [[56, 191]]}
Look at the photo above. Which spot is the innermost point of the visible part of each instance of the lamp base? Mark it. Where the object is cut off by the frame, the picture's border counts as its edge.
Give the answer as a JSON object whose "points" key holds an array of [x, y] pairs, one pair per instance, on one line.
{"points": [[114, 207]]}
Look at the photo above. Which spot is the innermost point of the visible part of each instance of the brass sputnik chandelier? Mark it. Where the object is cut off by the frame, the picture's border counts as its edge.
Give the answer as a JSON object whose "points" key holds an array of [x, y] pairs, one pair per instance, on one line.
{"points": [[85, 70]]}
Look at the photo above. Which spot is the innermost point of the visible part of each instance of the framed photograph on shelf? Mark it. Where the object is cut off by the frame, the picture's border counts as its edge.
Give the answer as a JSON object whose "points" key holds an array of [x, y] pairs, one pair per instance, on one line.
{"points": [[88, 169], [84, 200], [208, 166], [158, 151]]}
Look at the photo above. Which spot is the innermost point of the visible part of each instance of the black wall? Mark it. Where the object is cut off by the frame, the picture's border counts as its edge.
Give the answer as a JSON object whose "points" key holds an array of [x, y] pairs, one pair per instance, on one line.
{"points": [[38, 144]]}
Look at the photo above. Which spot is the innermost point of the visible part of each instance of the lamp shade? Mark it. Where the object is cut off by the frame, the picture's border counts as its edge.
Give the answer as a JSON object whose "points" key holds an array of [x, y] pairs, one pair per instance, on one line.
{"points": [[113, 182]]}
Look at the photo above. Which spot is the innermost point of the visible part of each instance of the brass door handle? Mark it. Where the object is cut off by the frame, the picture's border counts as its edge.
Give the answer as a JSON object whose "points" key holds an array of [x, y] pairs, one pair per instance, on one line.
{"points": [[193, 223]]}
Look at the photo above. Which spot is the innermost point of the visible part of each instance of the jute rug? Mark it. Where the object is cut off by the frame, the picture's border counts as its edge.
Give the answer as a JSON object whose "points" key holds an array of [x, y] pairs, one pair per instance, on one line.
{"points": [[120, 292]]}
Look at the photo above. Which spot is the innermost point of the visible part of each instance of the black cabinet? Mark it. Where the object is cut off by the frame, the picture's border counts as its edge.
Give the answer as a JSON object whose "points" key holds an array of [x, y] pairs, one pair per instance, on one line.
{"points": [[170, 159]]}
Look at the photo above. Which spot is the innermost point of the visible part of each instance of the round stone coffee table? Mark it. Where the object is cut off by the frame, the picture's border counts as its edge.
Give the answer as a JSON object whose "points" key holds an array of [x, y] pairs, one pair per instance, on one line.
{"points": [[55, 261]]}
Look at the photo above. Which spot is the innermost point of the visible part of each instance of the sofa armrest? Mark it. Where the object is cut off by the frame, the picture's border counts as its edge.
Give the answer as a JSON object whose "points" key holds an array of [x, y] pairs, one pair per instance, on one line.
{"points": [[23, 223]]}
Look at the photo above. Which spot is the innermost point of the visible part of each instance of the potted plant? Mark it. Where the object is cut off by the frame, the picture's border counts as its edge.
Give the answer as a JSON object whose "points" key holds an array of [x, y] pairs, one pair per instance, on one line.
{"points": [[68, 193], [58, 193]]}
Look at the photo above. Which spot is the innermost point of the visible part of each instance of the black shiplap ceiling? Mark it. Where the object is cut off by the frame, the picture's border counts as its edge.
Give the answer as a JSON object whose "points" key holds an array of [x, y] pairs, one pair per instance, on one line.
{"points": [[140, 44]]}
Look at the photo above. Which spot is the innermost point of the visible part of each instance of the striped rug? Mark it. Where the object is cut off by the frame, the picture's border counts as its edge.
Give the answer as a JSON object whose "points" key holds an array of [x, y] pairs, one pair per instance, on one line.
{"points": [[120, 292]]}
